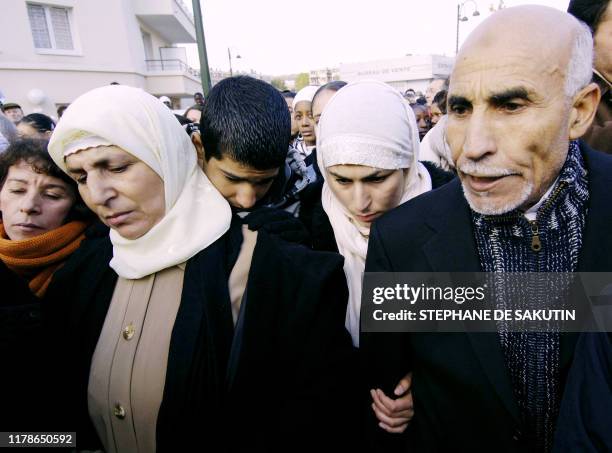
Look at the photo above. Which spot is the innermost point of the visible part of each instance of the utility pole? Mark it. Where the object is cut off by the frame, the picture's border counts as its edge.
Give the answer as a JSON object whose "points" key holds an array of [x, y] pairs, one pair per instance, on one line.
{"points": [[199, 28], [458, 20], [229, 57]]}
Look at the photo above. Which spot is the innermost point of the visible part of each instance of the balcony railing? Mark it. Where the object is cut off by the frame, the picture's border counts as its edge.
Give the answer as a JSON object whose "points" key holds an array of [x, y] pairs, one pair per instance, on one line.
{"points": [[171, 65]]}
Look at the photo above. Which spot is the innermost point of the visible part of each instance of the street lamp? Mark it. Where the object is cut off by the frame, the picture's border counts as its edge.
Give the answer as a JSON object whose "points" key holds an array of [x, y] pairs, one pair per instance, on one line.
{"points": [[229, 57], [463, 19]]}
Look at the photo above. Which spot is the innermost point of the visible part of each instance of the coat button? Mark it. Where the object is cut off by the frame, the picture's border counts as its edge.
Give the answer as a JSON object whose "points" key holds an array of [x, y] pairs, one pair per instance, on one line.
{"points": [[119, 411], [129, 331]]}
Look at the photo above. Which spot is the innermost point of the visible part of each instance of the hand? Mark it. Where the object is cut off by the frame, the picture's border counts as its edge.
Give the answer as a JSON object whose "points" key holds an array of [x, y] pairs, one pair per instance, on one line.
{"points": [[394, 415], [278, 223]]}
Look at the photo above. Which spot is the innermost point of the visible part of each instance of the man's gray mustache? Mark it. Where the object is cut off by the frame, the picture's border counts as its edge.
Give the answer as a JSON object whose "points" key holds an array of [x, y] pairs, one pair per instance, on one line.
{"points": [[480, 170]]}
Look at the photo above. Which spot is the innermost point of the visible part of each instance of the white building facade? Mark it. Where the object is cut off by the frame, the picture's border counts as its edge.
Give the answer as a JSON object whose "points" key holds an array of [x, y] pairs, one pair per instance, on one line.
{"points": [[323, 76], [52, 51], [412, 71]]}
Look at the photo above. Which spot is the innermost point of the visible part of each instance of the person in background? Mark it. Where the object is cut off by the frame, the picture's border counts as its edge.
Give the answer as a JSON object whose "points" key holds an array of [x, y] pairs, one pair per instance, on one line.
{"points": [[300, 171], [303, 191], [410, 96], [60, 110], [438, 107], [597, 14], [435, 87], [8, 132], [193, 113], [43, 224], [13, 112], [322, 97], [421, 112], [198, 98], [289, 96], [36, 125], [434, 147], [166, 101], [302, 112]]}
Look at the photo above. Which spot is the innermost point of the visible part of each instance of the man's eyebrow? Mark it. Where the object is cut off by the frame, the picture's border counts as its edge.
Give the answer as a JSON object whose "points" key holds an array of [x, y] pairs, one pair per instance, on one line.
{"points": [[507, 95], [251, 180], [458, 100]]}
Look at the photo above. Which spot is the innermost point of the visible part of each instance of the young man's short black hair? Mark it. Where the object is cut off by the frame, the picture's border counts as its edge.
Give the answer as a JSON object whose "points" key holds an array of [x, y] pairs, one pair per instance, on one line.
{"points": [[440, 100], [39, 121], [288, 94], [247, 120]]}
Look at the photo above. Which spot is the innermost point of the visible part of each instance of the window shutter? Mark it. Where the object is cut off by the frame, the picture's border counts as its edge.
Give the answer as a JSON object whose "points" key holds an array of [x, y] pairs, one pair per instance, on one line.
{"points": [[38, 24], [61, 28]]}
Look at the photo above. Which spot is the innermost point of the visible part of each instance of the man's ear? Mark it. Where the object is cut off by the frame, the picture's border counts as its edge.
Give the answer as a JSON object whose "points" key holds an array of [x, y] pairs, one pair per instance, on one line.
{"points": [[196, 139], [583, 110]]}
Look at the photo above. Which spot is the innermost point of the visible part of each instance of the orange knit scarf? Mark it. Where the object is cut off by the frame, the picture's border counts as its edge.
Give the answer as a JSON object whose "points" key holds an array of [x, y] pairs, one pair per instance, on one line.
{"points": [[36, 259]]}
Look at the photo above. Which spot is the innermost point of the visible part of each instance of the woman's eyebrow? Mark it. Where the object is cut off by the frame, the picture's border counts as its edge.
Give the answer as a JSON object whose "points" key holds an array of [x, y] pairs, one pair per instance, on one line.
{"points": [[374, 174], [101, 163], [23, 181], [54, 186]]}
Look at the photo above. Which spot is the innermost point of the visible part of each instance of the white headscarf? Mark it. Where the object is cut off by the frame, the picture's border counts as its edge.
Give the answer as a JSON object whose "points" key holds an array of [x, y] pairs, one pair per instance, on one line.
{"points": [[138, 123], [305, 94], [366, 123]]}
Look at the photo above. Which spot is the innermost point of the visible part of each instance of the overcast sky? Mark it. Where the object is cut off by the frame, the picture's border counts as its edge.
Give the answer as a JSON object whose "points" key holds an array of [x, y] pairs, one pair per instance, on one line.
{"points": [[280, 36]]}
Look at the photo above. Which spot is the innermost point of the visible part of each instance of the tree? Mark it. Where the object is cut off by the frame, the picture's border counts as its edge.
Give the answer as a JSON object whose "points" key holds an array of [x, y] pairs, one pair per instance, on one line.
{"points": [[301, 81], [279, 84]]}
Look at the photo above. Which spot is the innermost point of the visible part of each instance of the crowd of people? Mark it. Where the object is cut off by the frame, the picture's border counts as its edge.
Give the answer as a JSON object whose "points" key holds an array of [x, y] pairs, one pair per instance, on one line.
{"points": [[194, 281]]}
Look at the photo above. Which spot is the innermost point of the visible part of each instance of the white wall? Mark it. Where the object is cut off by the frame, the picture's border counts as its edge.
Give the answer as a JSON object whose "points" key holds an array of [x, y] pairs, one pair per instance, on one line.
{"points": [[156, 40], [414, 71], [108, 47]]}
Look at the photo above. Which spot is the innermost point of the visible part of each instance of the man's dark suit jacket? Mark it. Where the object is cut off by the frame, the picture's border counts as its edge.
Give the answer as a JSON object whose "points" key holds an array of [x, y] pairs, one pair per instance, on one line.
{"points": [[462, 392]]}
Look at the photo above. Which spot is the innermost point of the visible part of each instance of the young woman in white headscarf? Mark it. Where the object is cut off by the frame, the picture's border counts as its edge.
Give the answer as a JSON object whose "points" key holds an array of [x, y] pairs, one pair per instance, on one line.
{"points": [[367, 150], [161, 352]]}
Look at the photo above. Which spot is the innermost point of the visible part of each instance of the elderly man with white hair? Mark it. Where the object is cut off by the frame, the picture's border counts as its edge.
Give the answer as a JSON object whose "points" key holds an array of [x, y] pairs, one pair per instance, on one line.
{"points": [[530, 197]]}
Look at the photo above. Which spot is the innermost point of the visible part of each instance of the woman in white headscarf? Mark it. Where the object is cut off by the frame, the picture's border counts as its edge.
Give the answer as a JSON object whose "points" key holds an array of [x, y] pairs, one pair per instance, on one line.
{"points": [[368, 154], [136, 169]]}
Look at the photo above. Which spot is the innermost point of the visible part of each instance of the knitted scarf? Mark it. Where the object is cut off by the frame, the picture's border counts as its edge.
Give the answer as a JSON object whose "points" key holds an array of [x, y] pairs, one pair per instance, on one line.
{"points": [[36, 259], [506, 243]]}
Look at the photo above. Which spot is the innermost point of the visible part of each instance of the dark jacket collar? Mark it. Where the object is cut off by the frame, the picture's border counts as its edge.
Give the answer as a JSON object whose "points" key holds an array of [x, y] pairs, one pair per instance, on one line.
{"points": [[452, 247]]}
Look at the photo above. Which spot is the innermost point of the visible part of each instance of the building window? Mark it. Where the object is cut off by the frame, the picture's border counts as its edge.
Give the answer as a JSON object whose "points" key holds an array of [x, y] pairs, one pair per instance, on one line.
{"points": [[51, 27]]}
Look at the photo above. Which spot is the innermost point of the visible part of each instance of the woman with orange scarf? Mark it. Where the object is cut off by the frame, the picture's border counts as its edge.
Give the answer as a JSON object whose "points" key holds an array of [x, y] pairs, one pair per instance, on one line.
{"points": [[43, 218], [43, 222]]}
